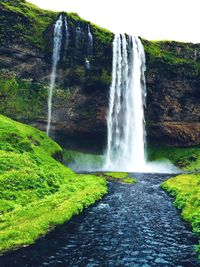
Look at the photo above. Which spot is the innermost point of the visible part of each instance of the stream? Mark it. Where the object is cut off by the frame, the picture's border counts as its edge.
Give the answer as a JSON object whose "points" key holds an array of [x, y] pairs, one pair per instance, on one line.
{"points": [[134, 226]]}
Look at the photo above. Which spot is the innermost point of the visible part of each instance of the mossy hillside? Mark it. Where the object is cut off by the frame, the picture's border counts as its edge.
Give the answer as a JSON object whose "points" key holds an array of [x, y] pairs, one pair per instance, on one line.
{"points": [[24, 22], [185, 158], [36, 191], [172, 57], [29, 23], [22, 99], [186, 190]]}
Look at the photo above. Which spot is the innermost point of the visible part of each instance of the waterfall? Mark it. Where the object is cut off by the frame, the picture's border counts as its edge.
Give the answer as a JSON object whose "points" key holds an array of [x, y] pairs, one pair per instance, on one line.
{"points": [[89, 48], [90, 42], [125, 121], [78, 35], [66, 33], [55, 58]]}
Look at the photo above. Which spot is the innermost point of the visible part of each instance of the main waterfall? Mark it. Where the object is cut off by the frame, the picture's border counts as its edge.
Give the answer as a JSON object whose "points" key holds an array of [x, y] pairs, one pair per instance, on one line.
{"points": [[55, 58], [126, 134], [126, 141]]}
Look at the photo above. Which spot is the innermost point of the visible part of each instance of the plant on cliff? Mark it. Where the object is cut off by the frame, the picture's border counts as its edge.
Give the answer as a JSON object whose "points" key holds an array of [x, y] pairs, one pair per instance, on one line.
{"points": [[36, 191], [21, 99]]}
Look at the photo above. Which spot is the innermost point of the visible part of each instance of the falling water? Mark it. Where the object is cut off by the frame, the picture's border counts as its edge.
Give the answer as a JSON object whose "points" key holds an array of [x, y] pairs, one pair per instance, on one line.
{"points": [[126, 135], [78, 35], [89, 48], [90, 42], [66, 32], [55, 58], [126, 132]]}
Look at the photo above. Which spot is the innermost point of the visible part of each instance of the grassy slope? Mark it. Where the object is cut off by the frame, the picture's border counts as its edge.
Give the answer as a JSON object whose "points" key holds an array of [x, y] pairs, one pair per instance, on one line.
{"points": [[186, 190], [36, 191]]}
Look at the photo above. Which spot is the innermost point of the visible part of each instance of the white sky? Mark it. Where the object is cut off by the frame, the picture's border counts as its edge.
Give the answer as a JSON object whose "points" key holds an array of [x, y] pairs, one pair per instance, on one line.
{"points": [[152, 19]]}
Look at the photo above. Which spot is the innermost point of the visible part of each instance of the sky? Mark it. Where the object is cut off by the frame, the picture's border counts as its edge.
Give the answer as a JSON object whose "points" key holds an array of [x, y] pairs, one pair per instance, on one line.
{"points": [[151, 19]]}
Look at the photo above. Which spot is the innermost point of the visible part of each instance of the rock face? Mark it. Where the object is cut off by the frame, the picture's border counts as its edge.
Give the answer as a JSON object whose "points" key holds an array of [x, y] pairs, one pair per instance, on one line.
{"points": [[173, 99], [81, 97]]}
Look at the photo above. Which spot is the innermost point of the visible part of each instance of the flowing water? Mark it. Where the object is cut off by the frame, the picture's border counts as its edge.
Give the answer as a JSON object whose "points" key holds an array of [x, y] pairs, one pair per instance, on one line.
{"points": [[90, 42], [133, 226], [126, 134], [55, 58], [126, 140], [89, 48], [78, 35], [66, 32]]}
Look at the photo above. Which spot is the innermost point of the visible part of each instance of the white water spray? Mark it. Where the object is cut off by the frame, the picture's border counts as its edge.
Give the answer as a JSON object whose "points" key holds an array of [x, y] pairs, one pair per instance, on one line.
{"points": [[125, 123], [55, 58]]}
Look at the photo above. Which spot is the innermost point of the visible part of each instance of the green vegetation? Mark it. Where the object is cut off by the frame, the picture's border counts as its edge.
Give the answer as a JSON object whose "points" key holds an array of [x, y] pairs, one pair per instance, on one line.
{"points": [[121, 176], [36, 191], [177, 57], [28, 23], [186, 190], [22, 98], [185, 158], [25, 21]]}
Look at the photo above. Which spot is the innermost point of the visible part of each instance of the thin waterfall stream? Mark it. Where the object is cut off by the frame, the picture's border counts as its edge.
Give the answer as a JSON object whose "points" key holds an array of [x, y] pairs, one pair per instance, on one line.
{"points": [[55, 58]]}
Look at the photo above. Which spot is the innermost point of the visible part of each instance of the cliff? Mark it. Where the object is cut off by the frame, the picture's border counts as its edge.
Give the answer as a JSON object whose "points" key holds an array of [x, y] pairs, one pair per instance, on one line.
{"points": [[81, 97]]}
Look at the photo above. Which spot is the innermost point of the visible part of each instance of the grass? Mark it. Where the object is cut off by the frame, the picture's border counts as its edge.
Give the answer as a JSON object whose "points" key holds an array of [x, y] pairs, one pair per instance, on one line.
{"points": [[22, 99], [121, 176], [36, 191], [177, 57], [186, 190], [185, 158]]}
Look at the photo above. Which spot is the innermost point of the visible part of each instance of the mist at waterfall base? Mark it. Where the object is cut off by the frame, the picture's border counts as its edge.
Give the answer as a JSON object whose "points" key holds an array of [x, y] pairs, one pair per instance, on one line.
{"points": [[126, 138]]}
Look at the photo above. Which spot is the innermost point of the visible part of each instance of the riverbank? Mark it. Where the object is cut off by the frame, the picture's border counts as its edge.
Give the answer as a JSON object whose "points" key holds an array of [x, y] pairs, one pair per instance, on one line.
{"points": [[186, 190], [37, 192]]}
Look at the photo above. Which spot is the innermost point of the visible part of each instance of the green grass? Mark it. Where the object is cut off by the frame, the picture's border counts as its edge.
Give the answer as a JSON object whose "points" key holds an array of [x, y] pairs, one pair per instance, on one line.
{"points": [[22, 98], [177, 57], [122, 176], [186, 190], [184, 158], [36, 191]]}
